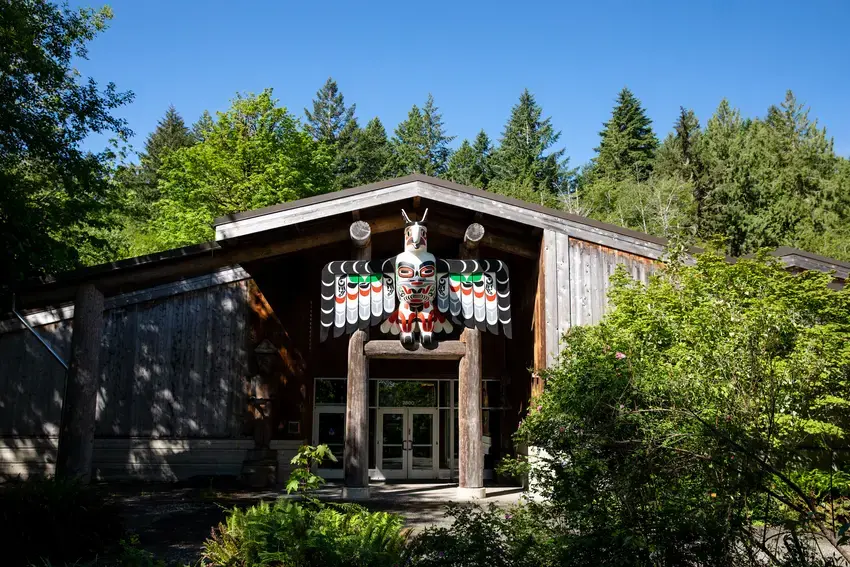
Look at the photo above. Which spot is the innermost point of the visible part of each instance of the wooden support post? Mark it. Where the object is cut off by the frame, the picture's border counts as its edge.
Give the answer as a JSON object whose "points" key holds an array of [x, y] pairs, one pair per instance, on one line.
{"points": [[76, 433], [471, 450], [356, 453]]}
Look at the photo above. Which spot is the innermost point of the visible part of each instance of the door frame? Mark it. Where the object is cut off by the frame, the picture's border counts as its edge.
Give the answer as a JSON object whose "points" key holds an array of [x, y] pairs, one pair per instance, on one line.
{"points": [[407, 471]]}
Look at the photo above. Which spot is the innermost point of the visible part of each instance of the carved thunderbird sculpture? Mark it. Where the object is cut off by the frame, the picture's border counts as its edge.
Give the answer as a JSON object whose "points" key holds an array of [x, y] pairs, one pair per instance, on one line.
{"points": [[432, 293]]}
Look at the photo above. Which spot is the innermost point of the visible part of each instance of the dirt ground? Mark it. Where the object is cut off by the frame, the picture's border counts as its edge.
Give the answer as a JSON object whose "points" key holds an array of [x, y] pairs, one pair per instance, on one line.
{"points": [[173, 520]]}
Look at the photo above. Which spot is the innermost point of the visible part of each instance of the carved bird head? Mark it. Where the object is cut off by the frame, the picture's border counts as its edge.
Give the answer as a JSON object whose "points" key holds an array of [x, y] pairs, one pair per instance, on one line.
{"points": [[415, 233]]}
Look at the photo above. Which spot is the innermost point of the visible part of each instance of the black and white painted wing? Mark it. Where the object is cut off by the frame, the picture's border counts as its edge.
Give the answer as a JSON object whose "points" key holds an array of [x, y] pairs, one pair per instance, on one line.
{"points": [[356, 295], [476, 293]]}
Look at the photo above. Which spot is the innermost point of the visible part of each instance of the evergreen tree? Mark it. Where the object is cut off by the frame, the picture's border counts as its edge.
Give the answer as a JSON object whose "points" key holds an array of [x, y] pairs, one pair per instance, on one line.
{"points": [[728, 192], [628, 144], [170, 134], [371, 155], [521, 162], [330, 119], [203, 126], [470, 164], [334, 124], [421, 144], [679, 156]]}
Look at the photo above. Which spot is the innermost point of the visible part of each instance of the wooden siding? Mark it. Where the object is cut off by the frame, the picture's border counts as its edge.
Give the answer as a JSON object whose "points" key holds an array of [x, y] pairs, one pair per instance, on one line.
{"points": [[32, 382], [590, 267], [141, 458], [170, 367], [175, 367]]}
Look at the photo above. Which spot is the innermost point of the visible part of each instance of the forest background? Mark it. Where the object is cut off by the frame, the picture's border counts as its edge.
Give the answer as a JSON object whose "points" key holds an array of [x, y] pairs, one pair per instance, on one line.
{"points": [[753, 181]]}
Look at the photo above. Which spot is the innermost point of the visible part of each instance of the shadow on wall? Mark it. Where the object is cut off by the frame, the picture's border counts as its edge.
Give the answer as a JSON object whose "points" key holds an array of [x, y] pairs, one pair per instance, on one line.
{"points": [[172, 394]]}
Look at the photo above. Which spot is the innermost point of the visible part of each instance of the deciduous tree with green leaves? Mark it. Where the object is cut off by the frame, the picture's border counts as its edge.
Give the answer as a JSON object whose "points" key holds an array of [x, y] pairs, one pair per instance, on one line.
{"points": [[253, 155], [56, 199], [693, 421]]}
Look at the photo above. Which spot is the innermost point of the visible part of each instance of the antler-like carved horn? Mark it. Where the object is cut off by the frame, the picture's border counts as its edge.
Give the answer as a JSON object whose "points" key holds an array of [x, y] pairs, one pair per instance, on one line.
{"points": [[425, 214], [406, 218]]}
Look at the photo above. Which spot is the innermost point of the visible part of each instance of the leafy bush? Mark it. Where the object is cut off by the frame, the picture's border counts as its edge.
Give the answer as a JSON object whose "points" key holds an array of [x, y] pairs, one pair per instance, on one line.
{"points": [[305, 534], [519, 537], [672, 433], [55, 520]]}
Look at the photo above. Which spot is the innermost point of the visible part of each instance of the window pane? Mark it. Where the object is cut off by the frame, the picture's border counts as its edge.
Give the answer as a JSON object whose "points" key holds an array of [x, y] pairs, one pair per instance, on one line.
{"points": [[392, 458], [423, 428], [393, 429], [330, 392], [332, 434], [407, 393]]}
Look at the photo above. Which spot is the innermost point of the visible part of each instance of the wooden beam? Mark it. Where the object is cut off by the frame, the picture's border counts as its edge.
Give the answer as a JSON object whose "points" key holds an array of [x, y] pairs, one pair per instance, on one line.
{"points": [[472, 237], [360, 233], [393, 349], [503, 243], [470, 449], [199, 263], [356, 452], [79, 406]]}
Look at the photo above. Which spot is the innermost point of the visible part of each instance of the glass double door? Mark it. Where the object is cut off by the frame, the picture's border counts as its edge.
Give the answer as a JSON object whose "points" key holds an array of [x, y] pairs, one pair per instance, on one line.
{"points": [[406, 443]]}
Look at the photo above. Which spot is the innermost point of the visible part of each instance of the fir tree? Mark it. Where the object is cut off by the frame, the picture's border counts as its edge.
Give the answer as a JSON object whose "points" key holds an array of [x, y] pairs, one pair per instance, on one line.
{"points": [[170, 134], [421, 144], [521, 163], [371, 155], [470, 164], [628, 144], [330, 119], [679, 156], [203, 126]]}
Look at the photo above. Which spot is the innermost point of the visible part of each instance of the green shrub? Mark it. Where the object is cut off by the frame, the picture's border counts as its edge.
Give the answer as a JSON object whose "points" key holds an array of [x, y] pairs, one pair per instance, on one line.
{"points": [[672, 432], [521, 536], [55, 520], [305, 534]]}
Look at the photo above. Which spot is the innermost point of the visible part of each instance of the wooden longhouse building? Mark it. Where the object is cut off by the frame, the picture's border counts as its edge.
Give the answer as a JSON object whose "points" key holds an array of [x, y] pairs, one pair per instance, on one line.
{"points": [[207, 360]]}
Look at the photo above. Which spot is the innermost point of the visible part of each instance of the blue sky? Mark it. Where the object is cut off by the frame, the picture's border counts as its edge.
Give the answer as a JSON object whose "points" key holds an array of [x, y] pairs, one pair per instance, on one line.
{"points": [[476, 57]]}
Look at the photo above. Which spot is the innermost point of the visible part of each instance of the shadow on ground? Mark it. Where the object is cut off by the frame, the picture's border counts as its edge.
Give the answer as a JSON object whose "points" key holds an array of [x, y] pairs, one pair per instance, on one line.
{"points": [[173, 520]]}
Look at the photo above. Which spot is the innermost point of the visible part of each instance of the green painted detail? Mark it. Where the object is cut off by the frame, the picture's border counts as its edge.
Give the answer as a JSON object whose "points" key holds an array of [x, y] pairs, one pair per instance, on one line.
{"points": [[354, 278], [477, 277]]}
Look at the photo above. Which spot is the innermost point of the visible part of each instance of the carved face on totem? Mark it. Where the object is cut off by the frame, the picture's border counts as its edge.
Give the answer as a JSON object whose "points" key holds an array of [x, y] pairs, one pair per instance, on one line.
{"points": [[416, 268]]}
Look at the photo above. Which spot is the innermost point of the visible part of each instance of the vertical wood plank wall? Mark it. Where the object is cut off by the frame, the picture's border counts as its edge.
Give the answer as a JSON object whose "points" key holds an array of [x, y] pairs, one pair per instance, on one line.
{"points": [[575, 280], [171, 388]]}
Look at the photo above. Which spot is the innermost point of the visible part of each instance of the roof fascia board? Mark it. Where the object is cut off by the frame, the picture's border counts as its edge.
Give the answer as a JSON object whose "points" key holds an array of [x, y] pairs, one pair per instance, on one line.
{"points": [[539, 219], [296, 215], [811, 264], [63, 312], [463, 199]]}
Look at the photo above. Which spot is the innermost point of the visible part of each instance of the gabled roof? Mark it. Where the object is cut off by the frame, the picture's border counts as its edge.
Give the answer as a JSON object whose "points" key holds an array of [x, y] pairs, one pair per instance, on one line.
{"points": [[416, 185], [284, 219]]}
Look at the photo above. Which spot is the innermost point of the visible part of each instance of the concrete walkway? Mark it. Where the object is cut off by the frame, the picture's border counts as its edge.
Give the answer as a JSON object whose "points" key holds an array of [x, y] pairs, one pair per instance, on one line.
{"points": [[423, 504]]}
